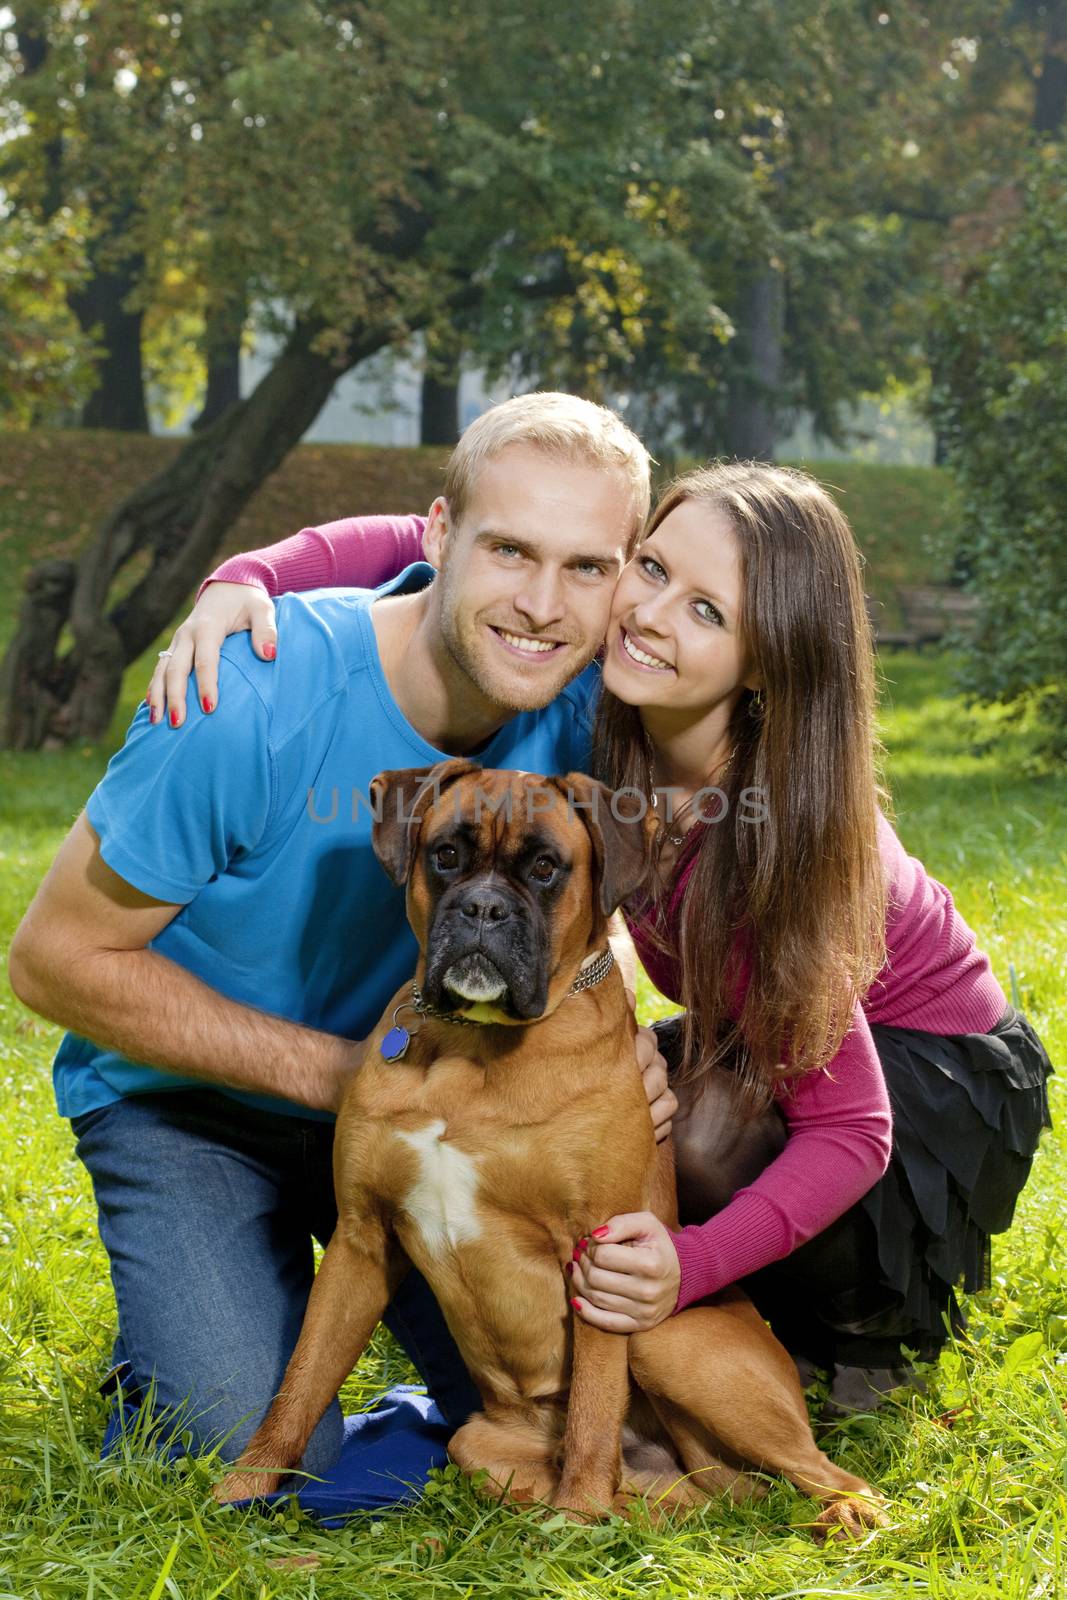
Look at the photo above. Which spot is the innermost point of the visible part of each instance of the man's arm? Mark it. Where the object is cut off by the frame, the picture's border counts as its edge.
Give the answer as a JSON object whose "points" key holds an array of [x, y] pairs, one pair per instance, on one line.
{"points": [[79, 957]]}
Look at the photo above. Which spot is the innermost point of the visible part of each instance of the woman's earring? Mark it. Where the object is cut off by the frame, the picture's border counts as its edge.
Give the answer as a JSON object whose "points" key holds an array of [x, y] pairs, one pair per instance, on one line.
{"points": [[757, 702]]}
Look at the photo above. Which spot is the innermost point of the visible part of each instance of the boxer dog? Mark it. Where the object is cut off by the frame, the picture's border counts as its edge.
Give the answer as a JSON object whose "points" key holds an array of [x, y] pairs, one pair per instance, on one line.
{"points": [[498, 1115]]}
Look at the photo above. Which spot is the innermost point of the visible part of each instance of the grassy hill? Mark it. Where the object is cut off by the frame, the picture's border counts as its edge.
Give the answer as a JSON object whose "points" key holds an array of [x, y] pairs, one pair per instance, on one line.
{"points": [[55, 486]]}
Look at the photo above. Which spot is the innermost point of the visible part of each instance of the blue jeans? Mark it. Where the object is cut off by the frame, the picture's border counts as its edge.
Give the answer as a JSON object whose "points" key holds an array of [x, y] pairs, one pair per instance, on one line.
{"points": [[207, 1210]]}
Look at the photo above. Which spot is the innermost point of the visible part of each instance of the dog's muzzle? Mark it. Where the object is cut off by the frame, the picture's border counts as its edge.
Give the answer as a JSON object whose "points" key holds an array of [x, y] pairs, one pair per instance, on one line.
{"points": [[486, 945]]}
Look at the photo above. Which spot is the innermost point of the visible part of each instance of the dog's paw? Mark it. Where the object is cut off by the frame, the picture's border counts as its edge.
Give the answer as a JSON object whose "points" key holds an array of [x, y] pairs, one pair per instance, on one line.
{"points": [[584, 1503], [245, 1486], [850, 1517]]}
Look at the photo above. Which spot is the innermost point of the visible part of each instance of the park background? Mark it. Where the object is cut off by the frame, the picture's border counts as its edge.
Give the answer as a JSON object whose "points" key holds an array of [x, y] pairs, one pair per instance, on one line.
{"points": [[833, 232]]}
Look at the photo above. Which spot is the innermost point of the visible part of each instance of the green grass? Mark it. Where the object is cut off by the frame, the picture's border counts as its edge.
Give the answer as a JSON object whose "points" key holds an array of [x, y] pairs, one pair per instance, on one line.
{"points": [[975, 1471]]}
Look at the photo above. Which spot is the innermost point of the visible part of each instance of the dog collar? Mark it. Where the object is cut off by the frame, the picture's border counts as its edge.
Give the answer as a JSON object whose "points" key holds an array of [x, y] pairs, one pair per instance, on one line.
{"points": [[394, 1046]]}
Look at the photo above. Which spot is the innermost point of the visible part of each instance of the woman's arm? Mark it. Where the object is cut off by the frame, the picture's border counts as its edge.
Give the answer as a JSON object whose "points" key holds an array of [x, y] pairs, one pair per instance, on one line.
{"points": [[356, 552], [351, 553]]}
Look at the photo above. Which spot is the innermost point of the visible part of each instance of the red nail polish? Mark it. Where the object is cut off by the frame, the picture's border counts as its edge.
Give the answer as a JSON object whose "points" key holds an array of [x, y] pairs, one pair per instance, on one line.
{"points": [[174, 719], [577, 1304], [153, 715], [598, 1233], [208, 705], [270, 651], [576, 1255], [569, 1268]]}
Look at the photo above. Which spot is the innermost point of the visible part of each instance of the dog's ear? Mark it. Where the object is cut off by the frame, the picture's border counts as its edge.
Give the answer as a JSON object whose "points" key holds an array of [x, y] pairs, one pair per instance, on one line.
{"points": [[620, 829], [399, 801]]}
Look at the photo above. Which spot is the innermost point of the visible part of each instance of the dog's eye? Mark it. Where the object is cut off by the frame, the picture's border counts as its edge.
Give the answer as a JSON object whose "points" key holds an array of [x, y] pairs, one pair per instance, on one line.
{"points": [[543, 870], [445, 857]]}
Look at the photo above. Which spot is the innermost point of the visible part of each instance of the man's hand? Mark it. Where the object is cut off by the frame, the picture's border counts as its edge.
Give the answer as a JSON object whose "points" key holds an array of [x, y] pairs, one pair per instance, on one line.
{"points": [[661, 1101], [222, 609], [624, 1278]]}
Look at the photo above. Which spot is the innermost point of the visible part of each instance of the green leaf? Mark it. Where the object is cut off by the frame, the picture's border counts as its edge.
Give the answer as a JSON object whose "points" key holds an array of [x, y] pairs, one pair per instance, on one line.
{"points": [[1022, 1351]]}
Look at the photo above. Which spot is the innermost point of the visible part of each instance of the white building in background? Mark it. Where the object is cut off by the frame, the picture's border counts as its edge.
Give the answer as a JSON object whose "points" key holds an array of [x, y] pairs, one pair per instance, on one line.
{"points": [[380, 404]]}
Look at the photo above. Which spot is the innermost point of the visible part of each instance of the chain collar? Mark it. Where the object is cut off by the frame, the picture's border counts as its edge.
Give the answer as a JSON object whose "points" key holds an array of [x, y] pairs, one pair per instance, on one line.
{"points": [[593, 973]]}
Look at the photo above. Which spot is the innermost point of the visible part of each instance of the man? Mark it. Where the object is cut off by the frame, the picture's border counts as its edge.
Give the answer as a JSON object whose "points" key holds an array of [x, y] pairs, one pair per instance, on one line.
{"points": [[215, 930]]}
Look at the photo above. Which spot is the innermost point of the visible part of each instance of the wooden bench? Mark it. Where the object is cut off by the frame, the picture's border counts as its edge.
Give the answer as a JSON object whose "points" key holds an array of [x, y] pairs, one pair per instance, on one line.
{"points": [[927, 614]]}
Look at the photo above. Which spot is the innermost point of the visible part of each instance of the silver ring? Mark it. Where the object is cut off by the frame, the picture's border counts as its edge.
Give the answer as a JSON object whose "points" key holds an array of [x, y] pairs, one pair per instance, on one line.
{"points": [[163, 654]]}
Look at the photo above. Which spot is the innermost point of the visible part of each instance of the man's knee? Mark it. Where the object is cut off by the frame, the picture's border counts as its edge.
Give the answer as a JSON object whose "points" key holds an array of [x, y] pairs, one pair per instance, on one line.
{"points": [[209, 1413]]}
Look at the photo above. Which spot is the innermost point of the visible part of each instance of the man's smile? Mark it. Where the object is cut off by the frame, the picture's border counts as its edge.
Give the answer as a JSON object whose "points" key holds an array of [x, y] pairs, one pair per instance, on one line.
{"points": [[527, 645]]}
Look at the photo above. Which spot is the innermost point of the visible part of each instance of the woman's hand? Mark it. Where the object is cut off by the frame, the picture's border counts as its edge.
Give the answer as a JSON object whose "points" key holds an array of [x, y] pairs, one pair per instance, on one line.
{"points": [[222, 609], [624, 1278], [661, 1100]]}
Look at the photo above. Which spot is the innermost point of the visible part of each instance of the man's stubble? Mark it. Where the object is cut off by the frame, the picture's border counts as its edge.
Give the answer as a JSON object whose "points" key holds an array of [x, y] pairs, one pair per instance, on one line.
{"points": [[469, 647]]}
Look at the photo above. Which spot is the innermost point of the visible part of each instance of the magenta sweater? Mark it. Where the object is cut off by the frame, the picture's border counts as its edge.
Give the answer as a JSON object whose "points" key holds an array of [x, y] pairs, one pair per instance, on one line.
{"points": [[838, 1120]]}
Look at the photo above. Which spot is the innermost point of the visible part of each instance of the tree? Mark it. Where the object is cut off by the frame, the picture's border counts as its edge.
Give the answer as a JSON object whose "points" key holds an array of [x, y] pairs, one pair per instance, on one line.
{"points": [[1000, 391], [567, 196], [1001, 403], [45, 362], [783, 180], [431, 193], [58, 160]]}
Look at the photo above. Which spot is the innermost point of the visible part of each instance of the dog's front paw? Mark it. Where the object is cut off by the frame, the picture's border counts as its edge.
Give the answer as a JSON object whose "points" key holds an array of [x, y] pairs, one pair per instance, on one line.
{"points": [[584, 1501], [246, 1484]]}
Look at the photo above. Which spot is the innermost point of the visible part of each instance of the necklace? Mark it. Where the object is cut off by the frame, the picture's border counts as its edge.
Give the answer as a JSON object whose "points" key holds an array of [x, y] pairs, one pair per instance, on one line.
{"points": [[678, 839]]}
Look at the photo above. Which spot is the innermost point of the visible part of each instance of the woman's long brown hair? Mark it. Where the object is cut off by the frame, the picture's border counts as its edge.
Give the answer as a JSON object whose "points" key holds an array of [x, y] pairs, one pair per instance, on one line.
{"points": [[799, 895]]}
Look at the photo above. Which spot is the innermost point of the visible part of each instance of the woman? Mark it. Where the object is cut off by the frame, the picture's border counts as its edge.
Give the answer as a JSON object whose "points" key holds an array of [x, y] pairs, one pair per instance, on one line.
{"points": [[824, 975]]}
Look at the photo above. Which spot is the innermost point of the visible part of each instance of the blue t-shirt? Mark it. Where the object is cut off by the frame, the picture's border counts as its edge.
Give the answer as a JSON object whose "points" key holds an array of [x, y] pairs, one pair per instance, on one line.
{"points": [[256, 820]]}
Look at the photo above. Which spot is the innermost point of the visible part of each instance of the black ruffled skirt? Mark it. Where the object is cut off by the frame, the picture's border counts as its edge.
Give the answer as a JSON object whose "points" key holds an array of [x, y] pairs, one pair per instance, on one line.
{"points": [[968, 1110]]}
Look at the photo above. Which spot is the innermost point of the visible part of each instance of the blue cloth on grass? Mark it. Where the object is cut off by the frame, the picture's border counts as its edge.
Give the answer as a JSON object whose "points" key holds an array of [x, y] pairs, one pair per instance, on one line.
{"points": [[385, 1459]]}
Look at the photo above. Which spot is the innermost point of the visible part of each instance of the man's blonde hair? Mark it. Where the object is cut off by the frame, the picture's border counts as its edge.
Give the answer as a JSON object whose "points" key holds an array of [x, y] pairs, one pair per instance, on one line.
{"points": [[562, 425]]}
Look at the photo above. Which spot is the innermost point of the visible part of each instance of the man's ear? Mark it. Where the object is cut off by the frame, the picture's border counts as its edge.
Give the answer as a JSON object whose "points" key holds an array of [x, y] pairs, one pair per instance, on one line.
{"points": [[620, 836], [399, 801], [435, 534]]}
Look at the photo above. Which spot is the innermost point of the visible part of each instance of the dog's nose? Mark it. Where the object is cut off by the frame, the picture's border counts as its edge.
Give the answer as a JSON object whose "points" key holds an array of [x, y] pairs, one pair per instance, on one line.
{"points": [[483, 903]]}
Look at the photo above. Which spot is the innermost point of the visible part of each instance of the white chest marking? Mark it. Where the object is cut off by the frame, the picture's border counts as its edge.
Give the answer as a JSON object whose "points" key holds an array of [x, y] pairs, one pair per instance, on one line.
{"points": [[441, 1200]]}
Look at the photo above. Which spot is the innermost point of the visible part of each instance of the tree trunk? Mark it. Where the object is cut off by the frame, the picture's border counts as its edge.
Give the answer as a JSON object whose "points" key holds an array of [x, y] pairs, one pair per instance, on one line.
{"points": [[1050, 91], [181, 516], [31, 676], [101, 307], [118, 399], [752, 408], [439, 420], [225, 325]]}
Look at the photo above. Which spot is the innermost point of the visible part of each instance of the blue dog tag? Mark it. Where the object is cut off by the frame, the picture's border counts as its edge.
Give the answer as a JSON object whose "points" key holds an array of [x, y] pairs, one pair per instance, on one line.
{"points": [[395, 1043]]}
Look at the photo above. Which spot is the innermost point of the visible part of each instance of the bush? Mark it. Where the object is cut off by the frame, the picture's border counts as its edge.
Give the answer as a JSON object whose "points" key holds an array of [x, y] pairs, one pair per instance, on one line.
{"points": [[1000, 404]]}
